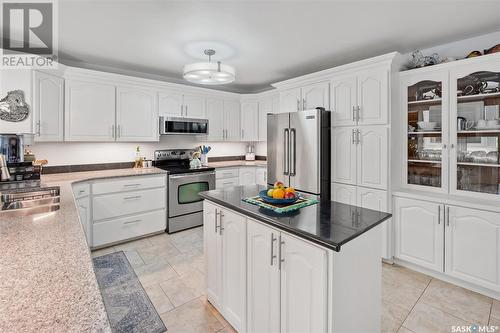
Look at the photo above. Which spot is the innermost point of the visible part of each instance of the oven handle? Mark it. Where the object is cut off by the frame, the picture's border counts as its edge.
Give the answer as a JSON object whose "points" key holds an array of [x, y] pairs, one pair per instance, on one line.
{"points": [[192, 174]]}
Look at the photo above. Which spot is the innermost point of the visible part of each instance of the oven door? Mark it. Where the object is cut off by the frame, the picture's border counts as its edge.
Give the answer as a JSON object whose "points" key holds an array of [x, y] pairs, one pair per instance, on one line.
{"points": [[183, 192]]}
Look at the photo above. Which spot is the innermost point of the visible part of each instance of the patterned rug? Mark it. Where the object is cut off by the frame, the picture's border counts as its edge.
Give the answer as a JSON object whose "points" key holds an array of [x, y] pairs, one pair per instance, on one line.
{"points": [[127, 304]]}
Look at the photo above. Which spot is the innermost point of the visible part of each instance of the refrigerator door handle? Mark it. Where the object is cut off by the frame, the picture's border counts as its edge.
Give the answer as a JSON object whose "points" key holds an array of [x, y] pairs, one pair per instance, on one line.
{"points": [[286, 150], [293, 152]]}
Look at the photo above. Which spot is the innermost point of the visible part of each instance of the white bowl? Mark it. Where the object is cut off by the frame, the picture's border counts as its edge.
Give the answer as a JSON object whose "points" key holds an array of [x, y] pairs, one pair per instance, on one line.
{"points": [[427, 125]]}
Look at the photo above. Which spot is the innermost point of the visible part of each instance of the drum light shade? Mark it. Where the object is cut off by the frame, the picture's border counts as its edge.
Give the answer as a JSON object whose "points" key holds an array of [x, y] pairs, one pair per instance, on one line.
{"points": [[209, 73]]}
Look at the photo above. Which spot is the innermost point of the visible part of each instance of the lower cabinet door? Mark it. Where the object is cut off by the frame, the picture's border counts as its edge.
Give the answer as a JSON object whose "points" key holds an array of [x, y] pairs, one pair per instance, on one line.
{"points": [[247, 176], [303, 286], [233, 231], [344, 193], [263, 279], [213, 253], [473, 246], [419, 229]]}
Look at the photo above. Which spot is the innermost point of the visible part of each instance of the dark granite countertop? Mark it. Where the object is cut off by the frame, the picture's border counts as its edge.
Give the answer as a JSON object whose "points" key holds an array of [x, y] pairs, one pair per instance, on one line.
{"points": [[329, 224]]}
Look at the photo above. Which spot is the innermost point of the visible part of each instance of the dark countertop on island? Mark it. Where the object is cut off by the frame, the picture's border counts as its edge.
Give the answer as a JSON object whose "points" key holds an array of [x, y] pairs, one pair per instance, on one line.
{"points": [[330, 224]]}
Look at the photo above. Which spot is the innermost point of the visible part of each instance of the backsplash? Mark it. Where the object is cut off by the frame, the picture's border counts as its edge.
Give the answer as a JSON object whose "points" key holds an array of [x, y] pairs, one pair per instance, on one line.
{"points": [[72, 153]]}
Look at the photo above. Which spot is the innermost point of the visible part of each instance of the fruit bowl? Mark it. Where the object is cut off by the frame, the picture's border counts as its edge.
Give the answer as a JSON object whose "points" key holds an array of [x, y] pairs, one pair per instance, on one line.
{"points": [[273, 201]]}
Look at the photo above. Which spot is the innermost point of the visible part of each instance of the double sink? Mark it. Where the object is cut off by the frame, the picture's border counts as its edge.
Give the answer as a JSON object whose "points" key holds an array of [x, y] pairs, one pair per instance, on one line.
{"points": [[29, 201]]}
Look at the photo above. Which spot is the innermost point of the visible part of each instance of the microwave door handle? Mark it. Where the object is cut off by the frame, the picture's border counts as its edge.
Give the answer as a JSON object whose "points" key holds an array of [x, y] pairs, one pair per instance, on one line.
{"points": [[286, 152]]}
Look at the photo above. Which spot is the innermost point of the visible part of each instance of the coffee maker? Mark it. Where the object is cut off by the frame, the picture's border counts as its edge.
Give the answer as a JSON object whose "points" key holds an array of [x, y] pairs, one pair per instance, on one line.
{"points": [[12, 147], [12, 165]]}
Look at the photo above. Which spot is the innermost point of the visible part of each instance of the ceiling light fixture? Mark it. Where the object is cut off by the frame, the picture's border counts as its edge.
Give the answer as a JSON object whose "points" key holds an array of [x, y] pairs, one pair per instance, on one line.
{"points": [[210, 73]]}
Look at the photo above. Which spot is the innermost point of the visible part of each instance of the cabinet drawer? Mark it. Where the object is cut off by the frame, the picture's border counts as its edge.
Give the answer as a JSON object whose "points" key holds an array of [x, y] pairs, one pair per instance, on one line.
{"points": [[222, 183], [128, 227], [118, 204], [128, 183], [81, 190], [227, 173]]}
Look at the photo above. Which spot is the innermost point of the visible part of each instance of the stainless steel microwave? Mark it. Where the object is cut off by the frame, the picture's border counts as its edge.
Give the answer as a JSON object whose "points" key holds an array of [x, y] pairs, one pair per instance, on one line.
{"points": [[185, 126]]}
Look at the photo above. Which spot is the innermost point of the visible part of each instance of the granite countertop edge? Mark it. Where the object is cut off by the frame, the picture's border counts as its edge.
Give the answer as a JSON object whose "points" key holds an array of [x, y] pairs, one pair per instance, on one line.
{"points": [[57, 289]]}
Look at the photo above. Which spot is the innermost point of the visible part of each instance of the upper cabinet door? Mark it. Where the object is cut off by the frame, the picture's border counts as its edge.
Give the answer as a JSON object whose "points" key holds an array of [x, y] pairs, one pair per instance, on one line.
{"points": [[136, 115], [343, 101], [316, 95], [170, 104], [343, 157], [49, 107], [419, 232], [290, 100], [304, 287], [263, 279], [373, 157], [265, 107], [194, 106], [232, 120], [89, 111], [373, 97], [215, 116], [478, 263], [250, 121]]}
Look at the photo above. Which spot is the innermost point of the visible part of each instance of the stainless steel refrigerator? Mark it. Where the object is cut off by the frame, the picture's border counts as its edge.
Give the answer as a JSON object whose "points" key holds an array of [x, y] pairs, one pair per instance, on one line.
{"points": [[298, 150]]}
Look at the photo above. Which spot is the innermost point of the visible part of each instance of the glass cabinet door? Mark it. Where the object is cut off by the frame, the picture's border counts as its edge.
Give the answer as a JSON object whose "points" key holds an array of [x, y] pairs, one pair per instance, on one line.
{"points": [[424, 130], [478, 132]]}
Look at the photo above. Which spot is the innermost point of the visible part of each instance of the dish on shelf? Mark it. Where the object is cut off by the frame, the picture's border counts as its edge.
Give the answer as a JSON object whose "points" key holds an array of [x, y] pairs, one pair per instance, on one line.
{"points": [[427, 125], [483, 128]]}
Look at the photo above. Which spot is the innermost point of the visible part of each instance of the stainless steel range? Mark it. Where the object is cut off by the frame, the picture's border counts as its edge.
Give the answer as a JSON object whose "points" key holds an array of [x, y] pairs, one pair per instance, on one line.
{"points": [[185, 206]]}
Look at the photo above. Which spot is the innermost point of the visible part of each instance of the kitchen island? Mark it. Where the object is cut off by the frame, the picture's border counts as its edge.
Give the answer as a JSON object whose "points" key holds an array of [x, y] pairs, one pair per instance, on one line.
{"points": [[317, 269]]}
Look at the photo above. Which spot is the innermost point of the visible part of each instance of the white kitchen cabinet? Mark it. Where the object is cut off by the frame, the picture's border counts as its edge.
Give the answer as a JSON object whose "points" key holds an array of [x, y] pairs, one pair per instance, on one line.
{"points": [[344, 155], [247, 176], [249, 121], [304, 288], [213, 253], [48, 107], [290, 100], [233, 231], [344, 193], [83, 207], [136, 114], [261, 176], [228, 182], [89, 111], [265, 107], [419, 232], [263, 279], [373, 97], [343, 101], [194, 106], [361, 98], [372, 199], [215, 116], [170, 103], [360, 156], [316, 95], [307, 97], [225, 252], [232, 120], [372, 157], [472, 246]]}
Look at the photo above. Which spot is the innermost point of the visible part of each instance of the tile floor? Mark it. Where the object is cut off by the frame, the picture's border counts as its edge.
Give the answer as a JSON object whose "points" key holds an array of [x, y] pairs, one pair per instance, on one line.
{"points": [[171, 269]]}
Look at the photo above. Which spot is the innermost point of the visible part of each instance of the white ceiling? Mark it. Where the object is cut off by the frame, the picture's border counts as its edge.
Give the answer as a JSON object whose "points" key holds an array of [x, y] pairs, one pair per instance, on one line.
{"points": [[267, 41]]}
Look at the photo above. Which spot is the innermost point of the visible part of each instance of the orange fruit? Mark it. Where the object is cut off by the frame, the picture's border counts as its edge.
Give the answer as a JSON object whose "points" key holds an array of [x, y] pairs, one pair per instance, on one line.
{"points": [[290, 190], [278, 193]]}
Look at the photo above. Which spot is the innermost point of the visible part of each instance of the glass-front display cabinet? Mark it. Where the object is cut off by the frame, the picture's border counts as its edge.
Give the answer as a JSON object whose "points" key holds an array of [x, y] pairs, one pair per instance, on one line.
{"points": [[475, 129], [426, 104]]}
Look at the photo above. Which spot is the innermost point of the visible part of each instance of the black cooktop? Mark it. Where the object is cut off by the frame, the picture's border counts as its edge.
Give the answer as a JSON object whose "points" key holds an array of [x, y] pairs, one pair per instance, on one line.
{"points": [[176, 161], [179, 169]]}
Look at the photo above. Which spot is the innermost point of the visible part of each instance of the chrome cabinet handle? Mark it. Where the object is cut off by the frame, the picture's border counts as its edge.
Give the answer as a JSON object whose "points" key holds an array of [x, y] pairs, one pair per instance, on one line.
{"points": [[273, 239], [130, 222], [113, 131], [281, 260], [133, 198], [303, 103], [242, 133], [353, 113], [182, 110], [298, 104], [221, 215], [439, 214], [131, 185], [38, 128], [286, 147], [216, 214], [353, 136], [293, 160], [358, 108], [358, 137], [118, 131]]}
